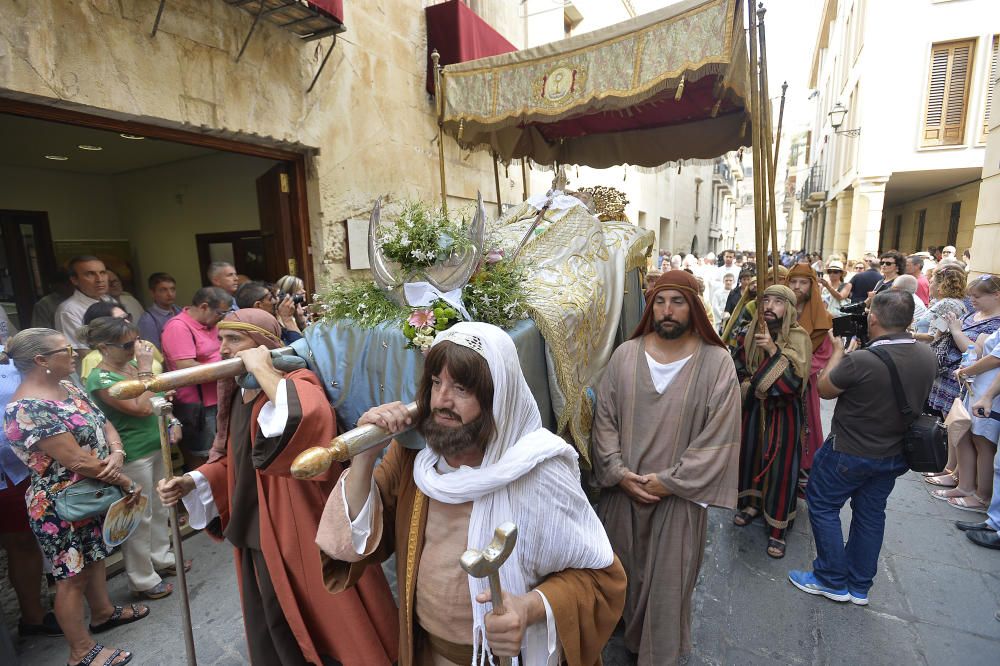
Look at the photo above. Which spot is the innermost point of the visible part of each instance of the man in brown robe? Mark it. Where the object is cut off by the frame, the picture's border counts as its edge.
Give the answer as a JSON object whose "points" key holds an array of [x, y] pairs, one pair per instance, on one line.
{"points": [[666, 444], [271, 518], [487, 461]]}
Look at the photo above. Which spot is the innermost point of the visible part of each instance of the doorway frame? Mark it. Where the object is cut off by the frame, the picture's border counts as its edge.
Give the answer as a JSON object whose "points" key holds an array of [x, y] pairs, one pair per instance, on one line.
{"points": [[296, 161]]}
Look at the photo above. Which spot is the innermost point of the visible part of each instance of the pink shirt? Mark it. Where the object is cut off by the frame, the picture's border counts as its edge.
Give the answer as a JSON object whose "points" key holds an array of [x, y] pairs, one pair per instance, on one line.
{"points": [[923, 289], [184, 338]]}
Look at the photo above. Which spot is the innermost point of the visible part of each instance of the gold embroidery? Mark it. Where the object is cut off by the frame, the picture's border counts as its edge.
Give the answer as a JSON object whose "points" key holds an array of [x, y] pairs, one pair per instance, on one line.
{"points": [[419, 501], [656, 44]]}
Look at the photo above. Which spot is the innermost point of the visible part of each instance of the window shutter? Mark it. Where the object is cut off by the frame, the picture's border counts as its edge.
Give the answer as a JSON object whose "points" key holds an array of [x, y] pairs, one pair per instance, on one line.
{"points": [[994, 73], [948, 93]]}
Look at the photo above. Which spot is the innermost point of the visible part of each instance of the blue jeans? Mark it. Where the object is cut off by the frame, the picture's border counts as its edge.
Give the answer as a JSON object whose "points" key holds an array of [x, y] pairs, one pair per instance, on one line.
{"points": [[993, 515], [867, 482]]}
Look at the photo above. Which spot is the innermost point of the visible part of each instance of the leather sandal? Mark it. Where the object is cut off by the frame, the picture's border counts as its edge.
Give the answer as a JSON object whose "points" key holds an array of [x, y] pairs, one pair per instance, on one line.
{"points": [[158, 591], [116, 620], [970, 503], [943, 480], [88, 659], [948, 494], [745, 517], [172, 569], [776, 548]]}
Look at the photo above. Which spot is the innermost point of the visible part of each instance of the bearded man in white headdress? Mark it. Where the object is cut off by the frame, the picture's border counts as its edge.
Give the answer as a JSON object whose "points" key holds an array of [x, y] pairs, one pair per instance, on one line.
{"points": [[487, 461]]}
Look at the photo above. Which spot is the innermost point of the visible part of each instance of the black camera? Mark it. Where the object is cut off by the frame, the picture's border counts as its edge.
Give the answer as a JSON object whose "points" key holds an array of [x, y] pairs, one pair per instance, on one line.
{"points": [[853, 323], [297, 299]]}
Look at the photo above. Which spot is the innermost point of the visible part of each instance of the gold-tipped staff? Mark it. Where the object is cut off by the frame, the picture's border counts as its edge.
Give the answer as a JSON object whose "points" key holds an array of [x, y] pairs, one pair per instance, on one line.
{"points": [[199, 374], [164, 411], [313, 462]]}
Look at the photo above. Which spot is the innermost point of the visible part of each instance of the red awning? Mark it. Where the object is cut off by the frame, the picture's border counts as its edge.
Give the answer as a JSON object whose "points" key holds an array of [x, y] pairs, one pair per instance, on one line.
{"points": [[334, 8], [459, 35]]}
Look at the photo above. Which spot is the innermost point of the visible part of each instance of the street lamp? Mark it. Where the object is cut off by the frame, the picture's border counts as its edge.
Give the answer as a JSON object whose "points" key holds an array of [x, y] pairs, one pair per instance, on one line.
{"points": [[837, 115]]}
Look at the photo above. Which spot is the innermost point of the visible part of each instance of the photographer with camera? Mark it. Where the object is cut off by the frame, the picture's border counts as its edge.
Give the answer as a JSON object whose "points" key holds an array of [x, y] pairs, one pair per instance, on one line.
{"points": [[863, 455], [281, 306]]}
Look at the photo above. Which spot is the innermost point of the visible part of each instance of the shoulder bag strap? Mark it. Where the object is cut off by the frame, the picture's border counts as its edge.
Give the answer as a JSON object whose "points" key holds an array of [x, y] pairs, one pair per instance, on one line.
{"points": [[897, 384]]}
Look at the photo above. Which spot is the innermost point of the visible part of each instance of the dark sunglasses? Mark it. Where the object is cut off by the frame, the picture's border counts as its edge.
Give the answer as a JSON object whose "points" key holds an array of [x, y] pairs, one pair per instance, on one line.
{"points": [[834, 270], [888, 263], [127, 346], [67, 348]]}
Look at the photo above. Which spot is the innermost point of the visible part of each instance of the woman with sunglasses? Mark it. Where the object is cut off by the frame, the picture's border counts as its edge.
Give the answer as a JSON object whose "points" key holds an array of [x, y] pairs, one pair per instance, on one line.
{"points": [[835, 289], [62, 437], [124, 356], [93, 358]]}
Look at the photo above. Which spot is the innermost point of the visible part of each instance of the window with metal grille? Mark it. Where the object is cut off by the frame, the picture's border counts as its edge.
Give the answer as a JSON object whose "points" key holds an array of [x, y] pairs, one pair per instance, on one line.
{"points": [[921, 222], [948, 93]]}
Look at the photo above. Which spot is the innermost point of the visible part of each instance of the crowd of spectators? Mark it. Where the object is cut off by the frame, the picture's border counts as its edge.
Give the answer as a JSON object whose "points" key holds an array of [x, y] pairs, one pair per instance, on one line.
{"points": [[62, 426]]}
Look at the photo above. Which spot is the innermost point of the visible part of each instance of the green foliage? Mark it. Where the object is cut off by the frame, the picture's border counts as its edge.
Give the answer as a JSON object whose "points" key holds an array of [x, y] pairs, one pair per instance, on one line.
{"points": [[422, 236], [496, 293], [360, 301]]}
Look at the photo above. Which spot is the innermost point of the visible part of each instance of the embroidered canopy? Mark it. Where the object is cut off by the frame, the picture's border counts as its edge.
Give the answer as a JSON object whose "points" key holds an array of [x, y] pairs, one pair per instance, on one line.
{"points": [[663, 86]]}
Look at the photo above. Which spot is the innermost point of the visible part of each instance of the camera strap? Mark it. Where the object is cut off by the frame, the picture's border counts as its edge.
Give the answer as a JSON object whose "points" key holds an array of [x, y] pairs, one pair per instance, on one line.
{"points": [[897, 384]]}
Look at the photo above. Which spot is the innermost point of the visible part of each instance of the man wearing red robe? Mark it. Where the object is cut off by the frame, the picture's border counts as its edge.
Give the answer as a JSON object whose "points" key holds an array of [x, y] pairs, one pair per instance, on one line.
{"points": [[817, 322], [271, 519]]}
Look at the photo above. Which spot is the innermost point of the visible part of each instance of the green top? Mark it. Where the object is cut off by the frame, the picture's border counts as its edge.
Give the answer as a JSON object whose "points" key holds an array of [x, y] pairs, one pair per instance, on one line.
{"points": [[140, 434]]}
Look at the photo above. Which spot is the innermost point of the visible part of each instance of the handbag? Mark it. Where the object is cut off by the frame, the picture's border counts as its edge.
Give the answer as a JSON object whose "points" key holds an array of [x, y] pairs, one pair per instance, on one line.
{"points": [[925, 444], [85, 499]]}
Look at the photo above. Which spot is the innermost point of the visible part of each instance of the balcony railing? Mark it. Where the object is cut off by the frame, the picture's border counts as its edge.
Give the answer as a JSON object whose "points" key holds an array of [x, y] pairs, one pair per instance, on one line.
{"points": [[813, 191]]}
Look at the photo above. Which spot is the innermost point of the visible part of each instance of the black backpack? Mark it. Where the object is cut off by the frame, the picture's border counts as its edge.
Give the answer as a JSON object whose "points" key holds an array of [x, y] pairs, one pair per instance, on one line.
{"points": [[925, 444]]}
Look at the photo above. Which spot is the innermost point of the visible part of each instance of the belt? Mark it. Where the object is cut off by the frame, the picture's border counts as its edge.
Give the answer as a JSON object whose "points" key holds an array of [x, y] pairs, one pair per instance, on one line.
{"points": [[454, 652]]}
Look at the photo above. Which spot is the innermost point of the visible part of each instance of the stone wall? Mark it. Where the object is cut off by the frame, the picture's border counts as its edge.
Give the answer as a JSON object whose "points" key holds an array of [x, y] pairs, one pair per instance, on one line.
{"points": [[368, 125]]}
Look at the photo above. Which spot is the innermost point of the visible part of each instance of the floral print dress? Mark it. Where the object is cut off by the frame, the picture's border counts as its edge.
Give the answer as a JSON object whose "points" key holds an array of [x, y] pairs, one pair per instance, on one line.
{"points": [[70, 546]]}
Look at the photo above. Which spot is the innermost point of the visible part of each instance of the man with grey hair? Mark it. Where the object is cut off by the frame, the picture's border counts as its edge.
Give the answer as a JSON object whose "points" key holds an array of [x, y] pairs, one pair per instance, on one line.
{"points": [[908, 284], [90, 279], [222, 274]]}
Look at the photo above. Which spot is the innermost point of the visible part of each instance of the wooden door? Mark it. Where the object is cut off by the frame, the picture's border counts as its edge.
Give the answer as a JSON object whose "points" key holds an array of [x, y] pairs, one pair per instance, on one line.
{"points": [[29, 264], [274, 201]]}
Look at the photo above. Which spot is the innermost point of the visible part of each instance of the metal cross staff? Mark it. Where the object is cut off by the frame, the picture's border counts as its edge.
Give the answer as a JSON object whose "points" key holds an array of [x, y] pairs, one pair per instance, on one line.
{"points": [[164, 412]]}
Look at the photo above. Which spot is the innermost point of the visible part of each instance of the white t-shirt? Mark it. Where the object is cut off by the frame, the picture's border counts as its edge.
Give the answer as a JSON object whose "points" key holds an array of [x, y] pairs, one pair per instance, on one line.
{"points": [[664, 373]]}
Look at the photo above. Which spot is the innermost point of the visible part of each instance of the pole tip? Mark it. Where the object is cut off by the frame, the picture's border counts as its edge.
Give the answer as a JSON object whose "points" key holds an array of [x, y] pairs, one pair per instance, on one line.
{"points": [[311, 462], [128, 389]]}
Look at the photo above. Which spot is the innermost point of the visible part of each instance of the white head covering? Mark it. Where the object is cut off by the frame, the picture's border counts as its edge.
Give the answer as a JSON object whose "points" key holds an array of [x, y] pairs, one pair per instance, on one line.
{"points": [[530, 477]]}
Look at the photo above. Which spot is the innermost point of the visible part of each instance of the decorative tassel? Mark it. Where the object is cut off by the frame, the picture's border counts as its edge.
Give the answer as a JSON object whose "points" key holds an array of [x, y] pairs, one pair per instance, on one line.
{"points": [[715, 108], [680, 88], [461, 128]]}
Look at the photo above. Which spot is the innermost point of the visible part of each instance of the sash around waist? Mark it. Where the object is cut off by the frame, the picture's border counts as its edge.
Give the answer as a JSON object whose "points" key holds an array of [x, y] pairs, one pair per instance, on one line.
{"points": [[453, 652]]}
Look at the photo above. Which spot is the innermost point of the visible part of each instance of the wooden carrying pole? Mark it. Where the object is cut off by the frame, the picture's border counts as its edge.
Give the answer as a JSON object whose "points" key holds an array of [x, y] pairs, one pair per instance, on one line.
{"points": [[770, 158], [198, 374], [496, 181], [439, 103], [760, 228], [316, 460], [164, 411]]}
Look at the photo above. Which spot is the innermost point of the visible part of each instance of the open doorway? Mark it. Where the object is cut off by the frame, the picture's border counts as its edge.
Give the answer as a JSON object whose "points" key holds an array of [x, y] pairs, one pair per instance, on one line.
{"points": [[142, 198]]}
